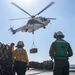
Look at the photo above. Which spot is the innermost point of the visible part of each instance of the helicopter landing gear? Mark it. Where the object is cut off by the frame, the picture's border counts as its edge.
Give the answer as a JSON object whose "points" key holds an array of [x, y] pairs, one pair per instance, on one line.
{"points": [[33, 32], [44, 27], [26, 30]]}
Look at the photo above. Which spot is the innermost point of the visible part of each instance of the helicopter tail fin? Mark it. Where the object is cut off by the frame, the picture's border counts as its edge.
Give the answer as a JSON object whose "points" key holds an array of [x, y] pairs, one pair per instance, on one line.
{"points": [[12, 30]]}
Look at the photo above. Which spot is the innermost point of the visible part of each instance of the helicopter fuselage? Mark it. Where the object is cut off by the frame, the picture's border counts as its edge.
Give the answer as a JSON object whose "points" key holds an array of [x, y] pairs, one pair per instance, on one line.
{"points": [[38, 22]]}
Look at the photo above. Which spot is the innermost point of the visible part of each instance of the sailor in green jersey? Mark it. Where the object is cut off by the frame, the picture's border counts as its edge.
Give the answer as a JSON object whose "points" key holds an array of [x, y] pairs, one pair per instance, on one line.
{"points": [[60, 51]]}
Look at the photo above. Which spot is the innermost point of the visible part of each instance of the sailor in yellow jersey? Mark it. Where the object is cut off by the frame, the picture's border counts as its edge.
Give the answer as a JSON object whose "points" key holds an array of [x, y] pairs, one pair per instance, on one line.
{"points": [[21, 59]]}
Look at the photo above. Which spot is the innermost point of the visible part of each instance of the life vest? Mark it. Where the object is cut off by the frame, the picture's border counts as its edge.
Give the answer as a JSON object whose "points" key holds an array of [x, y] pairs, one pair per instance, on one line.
{"points": [[20, 54], [61, 49]]}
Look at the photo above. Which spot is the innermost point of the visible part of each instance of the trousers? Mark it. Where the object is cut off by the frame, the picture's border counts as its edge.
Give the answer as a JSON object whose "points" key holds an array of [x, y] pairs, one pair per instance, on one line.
{"points": [[20, 67], [61, 67]]}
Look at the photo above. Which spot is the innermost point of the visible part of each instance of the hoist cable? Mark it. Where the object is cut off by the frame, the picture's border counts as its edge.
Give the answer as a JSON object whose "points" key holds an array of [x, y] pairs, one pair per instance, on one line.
{"points": [[33, 41]]}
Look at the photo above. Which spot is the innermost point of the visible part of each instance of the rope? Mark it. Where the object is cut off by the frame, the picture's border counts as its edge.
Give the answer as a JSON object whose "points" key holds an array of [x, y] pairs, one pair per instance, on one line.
{"points": [[33, 44]]}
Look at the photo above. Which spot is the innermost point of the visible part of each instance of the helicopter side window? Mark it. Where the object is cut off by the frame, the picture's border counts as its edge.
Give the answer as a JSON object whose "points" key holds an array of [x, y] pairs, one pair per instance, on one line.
{"points": [[43, 19]]}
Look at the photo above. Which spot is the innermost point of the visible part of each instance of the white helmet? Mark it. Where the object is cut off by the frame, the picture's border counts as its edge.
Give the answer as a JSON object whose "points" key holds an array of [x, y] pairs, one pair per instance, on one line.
{"points": [[58, 34], [20, 43]]}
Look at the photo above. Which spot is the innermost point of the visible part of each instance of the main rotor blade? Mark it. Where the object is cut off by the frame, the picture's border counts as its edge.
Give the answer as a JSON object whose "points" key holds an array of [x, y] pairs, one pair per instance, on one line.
{"points": [[18, 18], [20, 8], [52, 18], [45, 8]]}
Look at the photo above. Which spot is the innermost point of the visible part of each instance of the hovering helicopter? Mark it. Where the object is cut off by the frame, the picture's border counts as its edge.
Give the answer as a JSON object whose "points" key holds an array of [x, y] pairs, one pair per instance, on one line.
{"points": [[34, 22]]}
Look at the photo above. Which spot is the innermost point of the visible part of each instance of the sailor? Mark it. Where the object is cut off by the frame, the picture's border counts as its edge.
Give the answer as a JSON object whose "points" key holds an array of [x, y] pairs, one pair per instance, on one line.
{"points": [[60, 51], [21, 59]]}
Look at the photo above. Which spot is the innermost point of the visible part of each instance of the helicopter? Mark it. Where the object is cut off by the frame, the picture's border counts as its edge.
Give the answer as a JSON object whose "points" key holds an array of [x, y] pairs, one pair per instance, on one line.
{"points": [[34, 23]]}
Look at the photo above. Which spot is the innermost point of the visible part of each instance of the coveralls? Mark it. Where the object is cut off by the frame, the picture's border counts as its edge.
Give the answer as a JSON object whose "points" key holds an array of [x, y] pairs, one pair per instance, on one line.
{"points": [[60, 50]]}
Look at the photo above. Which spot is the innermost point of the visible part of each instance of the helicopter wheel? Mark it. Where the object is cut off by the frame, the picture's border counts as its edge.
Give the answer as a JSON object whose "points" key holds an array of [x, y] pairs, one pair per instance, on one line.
{"points": [[33, 32], [44, 27], [26, 30]]}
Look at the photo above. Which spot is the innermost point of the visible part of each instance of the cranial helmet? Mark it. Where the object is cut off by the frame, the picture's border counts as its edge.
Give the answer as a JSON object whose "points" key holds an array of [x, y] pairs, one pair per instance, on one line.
{"points": [[20, 44], [58, 34]]}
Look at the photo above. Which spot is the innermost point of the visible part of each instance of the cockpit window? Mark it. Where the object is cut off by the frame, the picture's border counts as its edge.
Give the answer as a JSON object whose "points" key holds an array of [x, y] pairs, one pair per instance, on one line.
{"points": [[43, 19]]}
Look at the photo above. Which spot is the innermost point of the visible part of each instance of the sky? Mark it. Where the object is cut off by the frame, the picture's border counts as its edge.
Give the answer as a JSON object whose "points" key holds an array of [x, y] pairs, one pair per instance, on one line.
{"points": [[62, 10]]}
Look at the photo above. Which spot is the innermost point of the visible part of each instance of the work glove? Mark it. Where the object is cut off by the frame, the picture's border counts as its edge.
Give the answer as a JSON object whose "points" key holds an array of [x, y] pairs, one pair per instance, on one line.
{"points": [[27, 66]]}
